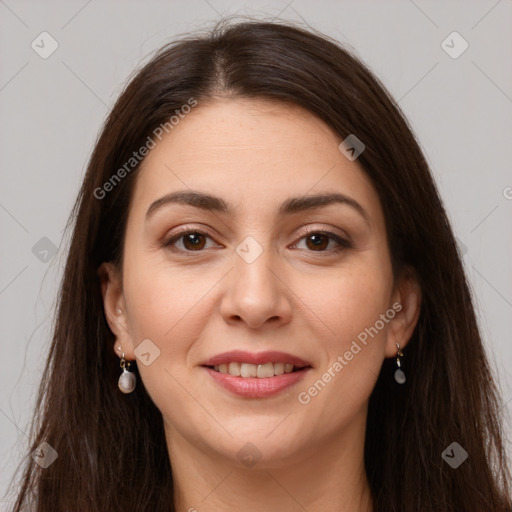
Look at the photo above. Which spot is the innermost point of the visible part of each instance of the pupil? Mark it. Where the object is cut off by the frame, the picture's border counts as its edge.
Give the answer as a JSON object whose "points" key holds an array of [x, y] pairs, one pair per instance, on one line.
{"points": [[193, 240], [317, 241]]}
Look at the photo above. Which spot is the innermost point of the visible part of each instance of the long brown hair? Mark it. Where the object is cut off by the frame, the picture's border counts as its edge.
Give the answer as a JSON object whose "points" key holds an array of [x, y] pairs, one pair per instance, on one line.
{"points": [[111, 447]]}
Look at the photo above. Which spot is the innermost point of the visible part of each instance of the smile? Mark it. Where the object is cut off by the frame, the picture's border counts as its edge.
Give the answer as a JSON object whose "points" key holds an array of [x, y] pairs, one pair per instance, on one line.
{"points": [[261, 371], [262, 385]]}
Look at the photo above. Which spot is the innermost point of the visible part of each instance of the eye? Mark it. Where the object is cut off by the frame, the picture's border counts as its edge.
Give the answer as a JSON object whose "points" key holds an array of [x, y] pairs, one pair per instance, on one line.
{"points": [[318, 241], [194, 240], [191, 241]]}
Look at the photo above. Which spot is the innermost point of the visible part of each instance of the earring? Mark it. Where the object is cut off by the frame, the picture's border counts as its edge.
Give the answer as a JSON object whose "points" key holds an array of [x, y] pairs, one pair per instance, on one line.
{"points": [[127, 380], [399, 373]]}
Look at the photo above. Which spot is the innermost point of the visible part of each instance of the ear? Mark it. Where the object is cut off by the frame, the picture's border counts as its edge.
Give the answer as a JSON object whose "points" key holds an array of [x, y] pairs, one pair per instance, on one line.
{"points": [[115, 308], [406, 302]]}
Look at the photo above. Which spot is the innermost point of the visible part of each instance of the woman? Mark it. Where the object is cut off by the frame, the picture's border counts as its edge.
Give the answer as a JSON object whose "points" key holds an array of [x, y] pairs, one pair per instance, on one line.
{"points": [[263, 306]]}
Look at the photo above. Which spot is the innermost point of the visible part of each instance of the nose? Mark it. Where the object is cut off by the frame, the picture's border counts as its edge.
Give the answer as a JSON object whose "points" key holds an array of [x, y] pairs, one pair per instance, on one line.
{"points": [[256, 294]]}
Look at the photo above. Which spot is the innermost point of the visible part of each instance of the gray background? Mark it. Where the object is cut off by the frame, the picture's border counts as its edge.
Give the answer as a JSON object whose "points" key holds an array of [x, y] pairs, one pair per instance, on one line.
{"points": [[52, 110]]}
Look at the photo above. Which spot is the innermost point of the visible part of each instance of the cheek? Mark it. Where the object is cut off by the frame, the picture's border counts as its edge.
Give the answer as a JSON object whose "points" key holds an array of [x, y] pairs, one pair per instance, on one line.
{"points": [[169, 304], [167, 307], [350, 302], [161, 300], [350, 298]]}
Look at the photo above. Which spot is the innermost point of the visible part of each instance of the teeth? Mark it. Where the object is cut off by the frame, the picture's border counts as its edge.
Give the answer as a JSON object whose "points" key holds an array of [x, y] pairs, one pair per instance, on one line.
{"points": [[248, 370], [234, 369], [278, 368], [261, 371], [265, 370]]}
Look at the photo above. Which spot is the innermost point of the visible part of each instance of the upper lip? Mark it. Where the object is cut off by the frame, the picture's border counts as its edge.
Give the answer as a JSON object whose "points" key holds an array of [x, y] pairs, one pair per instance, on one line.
{"points": [[271, 356]]}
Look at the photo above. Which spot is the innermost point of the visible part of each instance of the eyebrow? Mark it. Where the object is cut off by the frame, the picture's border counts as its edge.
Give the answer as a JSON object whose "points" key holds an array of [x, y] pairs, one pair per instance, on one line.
{"points": [[290, 206]]}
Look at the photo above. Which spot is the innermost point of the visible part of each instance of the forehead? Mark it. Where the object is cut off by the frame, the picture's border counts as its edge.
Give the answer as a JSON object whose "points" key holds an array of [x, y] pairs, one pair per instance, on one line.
{"points": [[254, 153]]}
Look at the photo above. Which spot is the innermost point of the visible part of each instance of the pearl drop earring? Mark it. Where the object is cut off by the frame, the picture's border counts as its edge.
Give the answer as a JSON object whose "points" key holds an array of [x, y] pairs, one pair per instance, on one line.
{"points": [[399, 373], [127, 380]]}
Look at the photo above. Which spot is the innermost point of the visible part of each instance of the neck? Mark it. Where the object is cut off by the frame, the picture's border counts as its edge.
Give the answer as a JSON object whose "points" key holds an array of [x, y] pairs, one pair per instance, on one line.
{"points": [[328, 476]]}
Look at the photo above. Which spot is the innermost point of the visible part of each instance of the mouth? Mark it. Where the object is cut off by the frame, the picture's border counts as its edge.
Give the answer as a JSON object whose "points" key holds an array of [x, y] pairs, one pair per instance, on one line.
{"points": [[260, 371], [256, 381], [256, 375]]}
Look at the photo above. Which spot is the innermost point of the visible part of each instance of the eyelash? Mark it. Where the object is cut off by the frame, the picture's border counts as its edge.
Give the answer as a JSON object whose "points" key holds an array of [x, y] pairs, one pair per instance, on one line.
{"points": [[343, 244]]}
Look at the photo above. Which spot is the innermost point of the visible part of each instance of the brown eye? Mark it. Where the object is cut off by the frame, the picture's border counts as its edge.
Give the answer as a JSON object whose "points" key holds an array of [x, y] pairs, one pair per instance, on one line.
{"points": [[190, 241], [318, 241], [193, 241]]}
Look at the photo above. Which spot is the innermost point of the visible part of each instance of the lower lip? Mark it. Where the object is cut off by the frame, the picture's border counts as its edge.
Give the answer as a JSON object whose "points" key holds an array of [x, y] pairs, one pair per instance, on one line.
{"points": [[254, 387]]}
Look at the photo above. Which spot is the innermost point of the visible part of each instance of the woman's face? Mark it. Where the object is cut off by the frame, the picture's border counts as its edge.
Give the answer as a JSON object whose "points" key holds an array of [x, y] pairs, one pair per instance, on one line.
{"points": [[254, 266]]}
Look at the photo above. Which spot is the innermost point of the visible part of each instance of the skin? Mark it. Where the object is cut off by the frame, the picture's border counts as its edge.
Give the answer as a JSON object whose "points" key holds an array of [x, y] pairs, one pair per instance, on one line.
{"points": [[294, 297]]}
